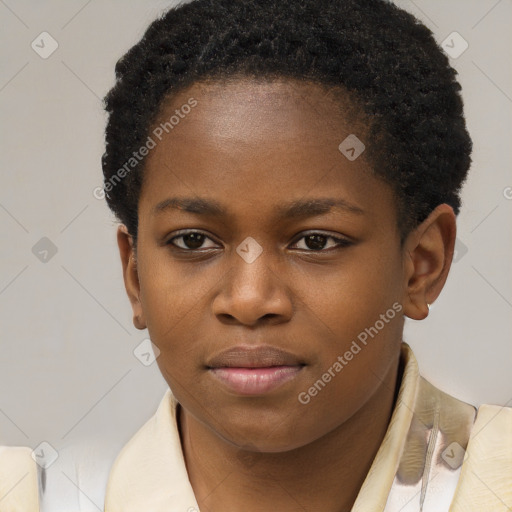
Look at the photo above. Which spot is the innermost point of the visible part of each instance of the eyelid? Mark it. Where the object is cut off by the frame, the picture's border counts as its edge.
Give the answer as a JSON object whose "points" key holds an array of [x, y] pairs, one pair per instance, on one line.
{"points": [[327, 234]]}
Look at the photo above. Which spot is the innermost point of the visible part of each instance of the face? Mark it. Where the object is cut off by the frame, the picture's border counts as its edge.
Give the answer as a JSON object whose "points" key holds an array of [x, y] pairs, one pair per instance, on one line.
{"points": [[257, 234]]}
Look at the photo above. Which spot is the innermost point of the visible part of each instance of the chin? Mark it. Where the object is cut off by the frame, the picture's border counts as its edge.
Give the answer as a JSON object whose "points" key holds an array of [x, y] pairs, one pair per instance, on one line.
{"points": [[278, 436], [263, 444]]}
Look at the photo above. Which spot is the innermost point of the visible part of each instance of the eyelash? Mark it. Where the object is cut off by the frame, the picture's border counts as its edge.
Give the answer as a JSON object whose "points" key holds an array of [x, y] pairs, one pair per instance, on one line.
{"points": [[341, 242]]}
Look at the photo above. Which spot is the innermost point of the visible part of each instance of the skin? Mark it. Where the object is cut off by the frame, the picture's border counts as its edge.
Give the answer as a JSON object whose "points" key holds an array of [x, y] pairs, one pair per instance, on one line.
{"points": [[254, 146]]}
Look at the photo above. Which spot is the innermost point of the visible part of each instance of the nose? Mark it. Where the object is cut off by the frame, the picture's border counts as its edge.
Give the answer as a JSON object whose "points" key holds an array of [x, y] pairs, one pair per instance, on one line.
{"points": [[253, 291]]}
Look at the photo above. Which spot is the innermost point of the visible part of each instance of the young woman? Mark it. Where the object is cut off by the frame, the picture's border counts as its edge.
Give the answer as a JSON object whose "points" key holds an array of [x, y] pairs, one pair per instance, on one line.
{"points": [[287, 176]]}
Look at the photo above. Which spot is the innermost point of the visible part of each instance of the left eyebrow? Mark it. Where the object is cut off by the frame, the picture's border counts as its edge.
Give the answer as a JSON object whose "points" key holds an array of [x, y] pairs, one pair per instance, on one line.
{"points": [[313, 207], [293, 209]]}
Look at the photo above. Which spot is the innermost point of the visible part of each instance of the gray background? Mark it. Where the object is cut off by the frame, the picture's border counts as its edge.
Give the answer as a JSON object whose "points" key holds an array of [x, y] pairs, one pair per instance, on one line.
{"points": [[67, 366]]}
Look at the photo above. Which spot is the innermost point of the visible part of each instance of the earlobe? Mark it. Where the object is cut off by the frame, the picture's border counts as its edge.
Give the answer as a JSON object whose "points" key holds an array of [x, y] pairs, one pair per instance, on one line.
{"points": [[130, 275], [428, 253]]}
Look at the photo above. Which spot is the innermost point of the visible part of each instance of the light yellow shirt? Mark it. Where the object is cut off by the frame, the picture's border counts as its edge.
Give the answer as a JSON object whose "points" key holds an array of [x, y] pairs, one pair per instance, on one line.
{"points": [[417, 467], [438, 455]]}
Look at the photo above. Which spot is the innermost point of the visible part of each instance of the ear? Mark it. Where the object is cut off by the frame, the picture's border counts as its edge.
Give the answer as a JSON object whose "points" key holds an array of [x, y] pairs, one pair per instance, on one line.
{"points": [[130, 275], [428, 253]]}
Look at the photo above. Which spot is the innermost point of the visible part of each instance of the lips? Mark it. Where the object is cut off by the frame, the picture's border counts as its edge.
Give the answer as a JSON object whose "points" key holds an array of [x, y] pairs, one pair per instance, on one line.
{"points": [[262, 356], [254, 370]]}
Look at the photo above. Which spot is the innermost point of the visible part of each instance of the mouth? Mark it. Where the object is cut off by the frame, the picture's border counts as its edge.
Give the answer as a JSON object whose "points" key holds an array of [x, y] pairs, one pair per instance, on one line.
{"points": [[247, 370]]}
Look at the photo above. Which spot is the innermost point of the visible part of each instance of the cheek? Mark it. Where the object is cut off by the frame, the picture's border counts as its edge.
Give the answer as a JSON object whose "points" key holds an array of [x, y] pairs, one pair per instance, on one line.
{"points": [[171, 293], [173, 306], [350, 369], [359, 320], [354, 295]]}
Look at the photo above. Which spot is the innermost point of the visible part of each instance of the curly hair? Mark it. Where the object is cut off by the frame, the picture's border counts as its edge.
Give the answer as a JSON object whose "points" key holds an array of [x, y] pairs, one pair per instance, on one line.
{"points": [[375, 52]]}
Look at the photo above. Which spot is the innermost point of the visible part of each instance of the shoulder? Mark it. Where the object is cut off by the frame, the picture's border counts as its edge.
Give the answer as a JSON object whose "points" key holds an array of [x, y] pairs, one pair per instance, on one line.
{"points": [[18, 479], [150, 471], [136, 451], [78, 478], [486, 477], [147, 459], [72, 476], [490, 444]]}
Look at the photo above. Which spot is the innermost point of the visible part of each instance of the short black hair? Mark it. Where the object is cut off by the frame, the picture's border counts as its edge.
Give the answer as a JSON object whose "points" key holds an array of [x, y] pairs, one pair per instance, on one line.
{"points": [[371, 49]]}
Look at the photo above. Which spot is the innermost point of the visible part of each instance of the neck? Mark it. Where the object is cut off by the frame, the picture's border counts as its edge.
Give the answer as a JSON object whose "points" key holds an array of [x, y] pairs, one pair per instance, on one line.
{"points": [[326, 474]]}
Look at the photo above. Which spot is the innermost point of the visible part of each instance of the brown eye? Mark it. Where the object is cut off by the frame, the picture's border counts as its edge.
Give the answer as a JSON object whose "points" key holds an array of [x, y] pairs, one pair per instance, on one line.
{"points": [[190, 241], [317, 242]]}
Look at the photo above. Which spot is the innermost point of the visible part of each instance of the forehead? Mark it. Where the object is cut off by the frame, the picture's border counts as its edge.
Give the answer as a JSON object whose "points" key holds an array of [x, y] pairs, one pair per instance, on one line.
{"points": [[258, 142], [268, 124], [242, 109]]}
